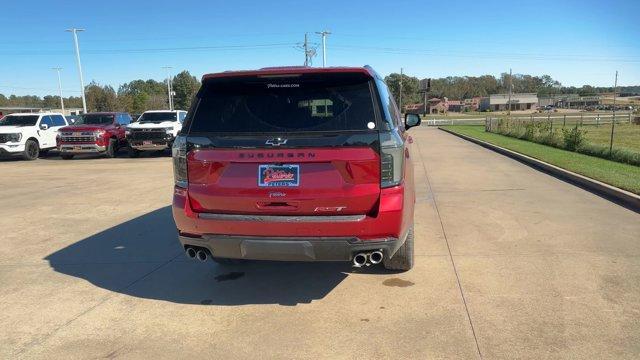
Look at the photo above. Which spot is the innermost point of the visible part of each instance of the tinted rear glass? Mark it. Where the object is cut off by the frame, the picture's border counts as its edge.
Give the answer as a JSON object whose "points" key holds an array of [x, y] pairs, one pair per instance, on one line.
{"points": [[95, 119], [19, 120], [158, 117], [310, 102]]}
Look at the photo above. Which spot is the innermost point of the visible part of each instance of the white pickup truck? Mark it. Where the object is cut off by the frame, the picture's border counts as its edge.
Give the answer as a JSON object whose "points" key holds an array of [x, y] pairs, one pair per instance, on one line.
{"points": [[154, 130], [28, 135]]}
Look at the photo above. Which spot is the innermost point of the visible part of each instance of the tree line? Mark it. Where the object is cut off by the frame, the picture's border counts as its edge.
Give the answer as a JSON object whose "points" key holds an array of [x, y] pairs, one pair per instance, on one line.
{"points": [[139, 95], [464, 87], [133, 97]]}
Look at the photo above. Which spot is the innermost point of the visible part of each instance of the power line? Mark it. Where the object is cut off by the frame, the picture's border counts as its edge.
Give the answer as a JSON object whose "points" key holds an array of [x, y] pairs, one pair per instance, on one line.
{"points": [[35, 88], [111, 39], [487, 55], [163, 49], [343, 48]]}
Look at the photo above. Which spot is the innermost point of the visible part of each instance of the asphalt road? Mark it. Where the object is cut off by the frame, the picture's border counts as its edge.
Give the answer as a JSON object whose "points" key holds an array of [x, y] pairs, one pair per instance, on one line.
{"points": [[511, 263]]}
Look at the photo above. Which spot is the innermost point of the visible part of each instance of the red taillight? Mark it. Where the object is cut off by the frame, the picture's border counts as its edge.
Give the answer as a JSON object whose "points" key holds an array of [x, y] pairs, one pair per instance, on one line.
{"points": [[179, 152], [391, 159]]}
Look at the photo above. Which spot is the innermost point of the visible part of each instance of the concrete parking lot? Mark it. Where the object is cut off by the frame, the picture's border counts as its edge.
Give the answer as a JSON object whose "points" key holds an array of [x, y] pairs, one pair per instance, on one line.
{"points": [[511, 263]]}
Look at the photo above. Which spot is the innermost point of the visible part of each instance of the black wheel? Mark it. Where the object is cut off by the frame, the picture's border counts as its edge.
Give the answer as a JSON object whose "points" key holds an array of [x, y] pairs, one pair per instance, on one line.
{"points": [[112, 148], [31, 150], [133, 153], [403, 258], [66, 156]]}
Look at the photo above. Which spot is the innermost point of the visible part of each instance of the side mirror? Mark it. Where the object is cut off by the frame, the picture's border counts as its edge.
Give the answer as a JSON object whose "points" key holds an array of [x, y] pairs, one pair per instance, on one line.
{"points": [[44, 126], [411, 120]]}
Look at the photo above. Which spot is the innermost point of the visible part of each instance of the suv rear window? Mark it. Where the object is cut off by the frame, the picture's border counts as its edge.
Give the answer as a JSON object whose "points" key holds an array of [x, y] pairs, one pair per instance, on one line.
{"points": [[95, 119], [158, 117], [308, 102], [19, 120]]}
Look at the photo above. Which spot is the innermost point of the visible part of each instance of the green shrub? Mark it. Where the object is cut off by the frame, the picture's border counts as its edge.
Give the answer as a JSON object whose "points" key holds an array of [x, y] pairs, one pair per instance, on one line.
{"points": [[550, 139], [543, 126], [530, 130], [573, 138], [619, 155]]}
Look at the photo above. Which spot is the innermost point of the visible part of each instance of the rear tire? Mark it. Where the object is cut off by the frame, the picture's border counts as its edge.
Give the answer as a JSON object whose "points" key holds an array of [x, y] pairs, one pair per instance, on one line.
{"points": [[133, 153], [112, 148], [403, 258], [31, 150], [66, 156]]}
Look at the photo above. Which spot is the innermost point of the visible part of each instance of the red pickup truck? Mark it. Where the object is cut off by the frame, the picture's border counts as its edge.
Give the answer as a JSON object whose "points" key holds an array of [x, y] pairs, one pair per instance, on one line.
{"points": [[94, 133]]}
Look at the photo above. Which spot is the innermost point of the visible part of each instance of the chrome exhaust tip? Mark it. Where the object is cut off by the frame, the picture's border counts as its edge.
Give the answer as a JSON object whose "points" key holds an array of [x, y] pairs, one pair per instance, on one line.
{"points": [[191, 252], [376, 257], [202, 255], [360, 260]]}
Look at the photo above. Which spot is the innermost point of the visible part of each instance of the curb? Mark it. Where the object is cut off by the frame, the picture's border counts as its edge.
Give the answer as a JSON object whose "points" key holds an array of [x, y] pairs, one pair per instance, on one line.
{"points": [[612, 193]]}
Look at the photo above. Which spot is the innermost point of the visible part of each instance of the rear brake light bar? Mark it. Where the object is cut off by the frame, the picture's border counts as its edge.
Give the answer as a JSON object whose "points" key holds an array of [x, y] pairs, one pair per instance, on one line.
{"points": [[391, 159], [179, 152]]}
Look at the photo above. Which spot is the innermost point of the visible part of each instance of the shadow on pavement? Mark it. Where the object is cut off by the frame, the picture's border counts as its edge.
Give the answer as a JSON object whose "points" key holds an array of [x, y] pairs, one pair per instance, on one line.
{"points": [[143, 258]]}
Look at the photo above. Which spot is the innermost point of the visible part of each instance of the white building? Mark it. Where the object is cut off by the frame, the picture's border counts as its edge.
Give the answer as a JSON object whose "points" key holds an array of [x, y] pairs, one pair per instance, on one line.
{"points": [[498, 102]]}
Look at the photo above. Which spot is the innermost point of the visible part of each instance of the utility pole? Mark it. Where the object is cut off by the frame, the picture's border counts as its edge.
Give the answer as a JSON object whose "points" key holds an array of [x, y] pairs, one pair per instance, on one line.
{"points": [[613, 121], [324, 34], [75, 31], [510, 87], [59, 88], [306, 51], [400, 95], [169, 86]]}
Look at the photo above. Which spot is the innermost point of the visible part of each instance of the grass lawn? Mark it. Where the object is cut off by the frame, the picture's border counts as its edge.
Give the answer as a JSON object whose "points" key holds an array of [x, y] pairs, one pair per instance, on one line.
{"points": [[617, 174], [624, 135]]}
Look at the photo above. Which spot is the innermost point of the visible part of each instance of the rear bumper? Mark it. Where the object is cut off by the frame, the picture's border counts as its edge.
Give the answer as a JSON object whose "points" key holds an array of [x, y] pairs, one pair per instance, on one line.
{"points": [[81, 148], [312, 238], [289, 248]]}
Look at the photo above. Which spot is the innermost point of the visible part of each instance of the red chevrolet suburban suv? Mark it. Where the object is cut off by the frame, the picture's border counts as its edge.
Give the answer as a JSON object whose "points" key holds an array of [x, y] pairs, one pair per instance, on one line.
{"points": [[295, 163], [94, 133]]}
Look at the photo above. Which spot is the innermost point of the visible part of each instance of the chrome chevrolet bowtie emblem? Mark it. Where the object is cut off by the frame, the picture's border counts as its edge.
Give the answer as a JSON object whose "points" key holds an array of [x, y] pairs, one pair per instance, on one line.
{"points": [[276, 142]]}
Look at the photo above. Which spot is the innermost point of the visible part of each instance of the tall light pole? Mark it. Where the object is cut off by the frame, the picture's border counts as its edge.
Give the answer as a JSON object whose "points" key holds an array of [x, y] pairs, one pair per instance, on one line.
{"points": [[169, 85], [400, 95], [324, 34], [613, 121], [59, 87], [75, 31], [510, 88]]}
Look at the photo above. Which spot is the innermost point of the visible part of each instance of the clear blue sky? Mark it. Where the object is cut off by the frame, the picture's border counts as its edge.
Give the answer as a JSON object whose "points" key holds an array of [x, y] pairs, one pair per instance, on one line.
{"points": [[576, 42]]}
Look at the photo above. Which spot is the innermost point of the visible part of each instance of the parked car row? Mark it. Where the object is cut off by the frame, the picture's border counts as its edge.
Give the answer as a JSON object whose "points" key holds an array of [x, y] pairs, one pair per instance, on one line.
{"points": [[105, 133], [287, 164]]}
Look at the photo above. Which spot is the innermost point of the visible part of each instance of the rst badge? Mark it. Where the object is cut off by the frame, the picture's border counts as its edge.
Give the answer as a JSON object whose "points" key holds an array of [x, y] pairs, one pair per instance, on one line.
{"points": [[278, 175]]}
